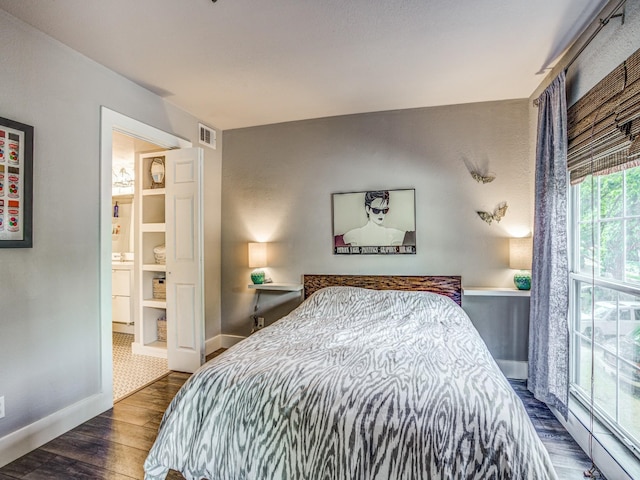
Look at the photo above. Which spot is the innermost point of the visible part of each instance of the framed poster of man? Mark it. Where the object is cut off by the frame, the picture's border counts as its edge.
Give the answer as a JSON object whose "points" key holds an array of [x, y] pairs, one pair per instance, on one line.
{"points": [[376, 222]]}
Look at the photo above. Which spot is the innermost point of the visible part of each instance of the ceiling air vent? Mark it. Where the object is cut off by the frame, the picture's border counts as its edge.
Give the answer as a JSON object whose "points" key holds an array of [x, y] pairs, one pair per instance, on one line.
{"points": [[207, 136]]}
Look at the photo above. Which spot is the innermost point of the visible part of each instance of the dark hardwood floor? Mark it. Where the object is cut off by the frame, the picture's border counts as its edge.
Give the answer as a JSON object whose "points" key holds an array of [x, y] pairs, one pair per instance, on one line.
{"points": [[569, 460], [114, 445]]}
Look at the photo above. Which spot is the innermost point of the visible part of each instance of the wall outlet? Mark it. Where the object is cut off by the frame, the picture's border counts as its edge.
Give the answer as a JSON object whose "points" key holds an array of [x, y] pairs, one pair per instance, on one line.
{"points": [[260, 322], [2, 407]]}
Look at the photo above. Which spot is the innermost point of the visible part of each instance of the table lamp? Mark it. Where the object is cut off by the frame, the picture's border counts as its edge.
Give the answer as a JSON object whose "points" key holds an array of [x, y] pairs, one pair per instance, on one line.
{"points": [[257, 261], [520, 253]]}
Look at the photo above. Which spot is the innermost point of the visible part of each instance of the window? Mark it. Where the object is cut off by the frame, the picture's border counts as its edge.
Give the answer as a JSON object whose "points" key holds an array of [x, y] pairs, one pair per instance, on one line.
{"points": [[605, 291]]}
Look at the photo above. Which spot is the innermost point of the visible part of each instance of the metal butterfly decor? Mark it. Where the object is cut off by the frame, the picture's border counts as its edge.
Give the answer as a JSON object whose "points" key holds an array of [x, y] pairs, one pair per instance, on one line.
{"points": [[480, 178], [497, 214]]}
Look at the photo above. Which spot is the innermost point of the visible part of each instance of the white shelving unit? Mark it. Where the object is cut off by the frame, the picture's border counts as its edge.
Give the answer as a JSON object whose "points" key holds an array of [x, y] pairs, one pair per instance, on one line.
{"points": [[151, 233]]}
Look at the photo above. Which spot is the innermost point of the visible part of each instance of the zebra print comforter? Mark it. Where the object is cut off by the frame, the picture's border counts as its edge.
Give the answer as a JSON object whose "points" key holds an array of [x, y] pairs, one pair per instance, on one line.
{"points": [[353, 384]]}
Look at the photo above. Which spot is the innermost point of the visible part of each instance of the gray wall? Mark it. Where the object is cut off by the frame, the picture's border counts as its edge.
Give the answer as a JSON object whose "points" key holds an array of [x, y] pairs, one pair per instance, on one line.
{"points": [[278, 181], [50, 345]]}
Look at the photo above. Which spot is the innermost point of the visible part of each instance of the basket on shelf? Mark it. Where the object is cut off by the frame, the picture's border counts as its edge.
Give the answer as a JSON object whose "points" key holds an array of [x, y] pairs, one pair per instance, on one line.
{"points": [[160, 288], [160, 254], [162, 329]]}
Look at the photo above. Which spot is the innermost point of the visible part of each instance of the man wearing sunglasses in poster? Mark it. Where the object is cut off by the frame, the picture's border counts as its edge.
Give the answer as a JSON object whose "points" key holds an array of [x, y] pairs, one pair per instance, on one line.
{"points": [[374, 233]]}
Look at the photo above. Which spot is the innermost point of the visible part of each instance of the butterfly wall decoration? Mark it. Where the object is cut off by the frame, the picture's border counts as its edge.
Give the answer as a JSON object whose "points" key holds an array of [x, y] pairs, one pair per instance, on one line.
{"points": [[497, 214], [483, 178], [479, 170]]}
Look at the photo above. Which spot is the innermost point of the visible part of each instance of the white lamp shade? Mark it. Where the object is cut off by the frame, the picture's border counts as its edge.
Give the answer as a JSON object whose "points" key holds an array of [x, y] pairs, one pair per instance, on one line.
{"points": [[257, 255], [520, 253]]}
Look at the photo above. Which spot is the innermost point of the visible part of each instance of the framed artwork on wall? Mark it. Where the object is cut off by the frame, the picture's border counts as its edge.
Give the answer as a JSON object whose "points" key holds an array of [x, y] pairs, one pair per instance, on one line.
{"points": [[16, 184], [375, 222]]}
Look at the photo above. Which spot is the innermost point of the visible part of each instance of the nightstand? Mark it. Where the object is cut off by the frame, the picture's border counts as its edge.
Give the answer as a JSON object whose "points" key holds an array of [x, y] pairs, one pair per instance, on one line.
{"points": [[280, 307], [501, 316], [282, 287]]}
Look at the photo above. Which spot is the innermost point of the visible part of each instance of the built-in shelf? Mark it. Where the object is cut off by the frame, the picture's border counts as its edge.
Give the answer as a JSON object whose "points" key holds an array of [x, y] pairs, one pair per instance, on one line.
{"points": [[151, 302], [495, 292], [283, 287], [151, 233], [153, 227], [157, 344], [153, 191], [154, 267]]}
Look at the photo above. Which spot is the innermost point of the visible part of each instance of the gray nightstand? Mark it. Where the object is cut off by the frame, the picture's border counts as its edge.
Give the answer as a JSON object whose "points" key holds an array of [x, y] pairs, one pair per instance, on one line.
{"points": [[501, 316], [277, 308]]}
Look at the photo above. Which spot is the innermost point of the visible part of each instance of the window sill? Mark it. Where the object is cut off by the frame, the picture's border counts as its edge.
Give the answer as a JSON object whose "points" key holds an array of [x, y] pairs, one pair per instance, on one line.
{"points": [[612, 457]]}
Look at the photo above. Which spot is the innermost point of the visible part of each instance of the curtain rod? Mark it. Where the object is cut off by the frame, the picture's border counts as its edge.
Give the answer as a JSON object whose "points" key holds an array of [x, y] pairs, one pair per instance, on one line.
{"points": [[603, 23]]}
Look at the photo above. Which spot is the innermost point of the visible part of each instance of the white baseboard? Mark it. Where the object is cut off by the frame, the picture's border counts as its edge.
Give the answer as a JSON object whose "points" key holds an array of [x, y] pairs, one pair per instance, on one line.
{"points": [[229, 341], [221, 341], [212, 344], [36, 434], [514, 369]]}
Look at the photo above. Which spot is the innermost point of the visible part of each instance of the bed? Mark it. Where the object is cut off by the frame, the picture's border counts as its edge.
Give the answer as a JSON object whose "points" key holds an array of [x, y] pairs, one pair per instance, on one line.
{"points": [[355, 383]]}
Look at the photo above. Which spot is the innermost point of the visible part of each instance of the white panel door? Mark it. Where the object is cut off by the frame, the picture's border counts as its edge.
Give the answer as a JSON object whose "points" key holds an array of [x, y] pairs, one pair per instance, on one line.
{"points": [[185, 270]]}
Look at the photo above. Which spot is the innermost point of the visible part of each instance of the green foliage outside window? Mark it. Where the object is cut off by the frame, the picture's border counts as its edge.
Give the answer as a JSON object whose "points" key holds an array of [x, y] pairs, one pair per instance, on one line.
{"points": [[610, 241], [606, 318]]}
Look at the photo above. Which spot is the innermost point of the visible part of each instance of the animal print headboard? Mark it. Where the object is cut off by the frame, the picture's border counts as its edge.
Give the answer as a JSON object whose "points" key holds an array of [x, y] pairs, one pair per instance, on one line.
{"points": [[449, 286]]}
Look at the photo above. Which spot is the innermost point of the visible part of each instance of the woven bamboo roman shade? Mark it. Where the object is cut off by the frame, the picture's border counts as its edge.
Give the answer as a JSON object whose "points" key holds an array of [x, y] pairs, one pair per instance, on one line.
{"points": [[603, 127]]}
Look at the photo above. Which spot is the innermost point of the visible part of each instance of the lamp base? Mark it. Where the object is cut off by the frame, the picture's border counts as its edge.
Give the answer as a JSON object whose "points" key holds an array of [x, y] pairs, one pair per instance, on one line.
{"points": [[522, 280], [257, 277]]}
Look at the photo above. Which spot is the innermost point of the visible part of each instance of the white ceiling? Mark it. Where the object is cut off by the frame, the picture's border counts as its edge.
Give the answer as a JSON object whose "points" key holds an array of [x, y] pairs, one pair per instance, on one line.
{"points": [[239, 63]]}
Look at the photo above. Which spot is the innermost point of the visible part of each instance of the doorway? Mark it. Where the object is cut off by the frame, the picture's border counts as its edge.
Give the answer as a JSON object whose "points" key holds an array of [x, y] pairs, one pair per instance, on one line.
{"points": [[131, 371], [113, 125]]}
